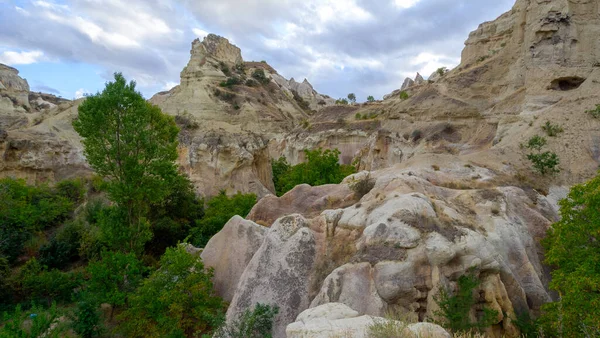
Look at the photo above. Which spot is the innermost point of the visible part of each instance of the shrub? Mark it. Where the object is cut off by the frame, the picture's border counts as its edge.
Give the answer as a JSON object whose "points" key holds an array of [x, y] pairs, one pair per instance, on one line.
{"points": [[257, 323], [358, 116], [552, 130], [219, 211], [231, 81], [37, 283], [73, 190], [442, 71], [187, 121], [260, 76], [594, 112], [224, 68], [545, 163], [251, 83], [113, 277], [172, 218], [86, 319], [301, 102], [321, 167], [370, 98], [455, 309], [63, 247], [26, 209], [42, 323], [404, 95], [176, 300], [341, 101]]}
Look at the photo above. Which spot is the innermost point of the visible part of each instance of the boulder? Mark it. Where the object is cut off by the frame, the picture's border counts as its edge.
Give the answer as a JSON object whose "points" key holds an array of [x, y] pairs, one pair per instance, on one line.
{"points": [[279, 273], [229, 252]]}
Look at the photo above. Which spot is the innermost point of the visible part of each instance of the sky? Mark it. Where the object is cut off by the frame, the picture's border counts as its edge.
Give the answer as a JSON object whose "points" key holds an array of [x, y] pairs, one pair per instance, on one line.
{"points": [[368, 47]]}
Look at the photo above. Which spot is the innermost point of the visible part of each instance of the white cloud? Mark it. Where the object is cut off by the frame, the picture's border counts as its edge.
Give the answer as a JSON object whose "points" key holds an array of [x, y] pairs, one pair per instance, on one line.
{"points": [[80, 93], [21, 58], [170, 85], [200, 33], [405, 3]]}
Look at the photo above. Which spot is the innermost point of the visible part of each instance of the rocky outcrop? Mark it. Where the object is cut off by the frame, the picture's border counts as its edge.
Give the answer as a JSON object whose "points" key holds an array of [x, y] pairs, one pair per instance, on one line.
{"points": [[303, 90], [408, 82], [415, 233], [339, 320]]}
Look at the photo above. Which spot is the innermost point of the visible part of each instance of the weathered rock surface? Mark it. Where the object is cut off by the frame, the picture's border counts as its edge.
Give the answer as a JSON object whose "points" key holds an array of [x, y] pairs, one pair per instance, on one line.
{"points": [[416, 232], [279, 272], [339, 320], [229, 262]]}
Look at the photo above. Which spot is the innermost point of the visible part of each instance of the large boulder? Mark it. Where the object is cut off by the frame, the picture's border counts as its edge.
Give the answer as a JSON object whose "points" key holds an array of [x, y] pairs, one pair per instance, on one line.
{"points": [[279, 273], [229, 261], [338, 320]]}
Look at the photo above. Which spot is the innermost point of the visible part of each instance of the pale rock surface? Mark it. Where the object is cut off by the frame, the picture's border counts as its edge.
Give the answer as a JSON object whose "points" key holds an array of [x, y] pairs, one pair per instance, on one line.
{"points": [[419, 80], [229, 261], [408, 82], [278, 273], [338, 320]]}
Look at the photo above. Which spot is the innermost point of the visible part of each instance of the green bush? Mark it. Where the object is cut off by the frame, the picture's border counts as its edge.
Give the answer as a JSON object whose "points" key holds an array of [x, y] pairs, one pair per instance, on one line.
{"points": [[73, 190], [177, 300], [172, 218], [219, 211], [40, 322], [26, 209], [342, 101], [545, 163], [552, 129], [404, 95], [63, 247], [321, 167], [454, 313], [260, 76], [352, 97], [224, 68], [257, 323], [39, 284], [114, 277], [595, 113], [231, 81], [86, 319], [370, 98]]}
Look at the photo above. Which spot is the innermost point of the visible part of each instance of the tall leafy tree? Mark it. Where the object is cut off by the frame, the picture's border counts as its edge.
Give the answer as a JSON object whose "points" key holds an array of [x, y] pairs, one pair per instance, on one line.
{"points": [[352, 97], [133, 144], [573, 249]]}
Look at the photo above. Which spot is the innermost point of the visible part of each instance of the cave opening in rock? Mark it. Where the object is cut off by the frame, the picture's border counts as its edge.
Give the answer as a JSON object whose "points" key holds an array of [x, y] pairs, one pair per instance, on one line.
{"points": [[566, 83]]}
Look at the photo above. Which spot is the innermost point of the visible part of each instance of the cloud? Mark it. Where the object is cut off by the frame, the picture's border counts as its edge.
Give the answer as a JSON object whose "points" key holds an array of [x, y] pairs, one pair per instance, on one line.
{"points": [[341, 46], [21, 58], [80, 93]]}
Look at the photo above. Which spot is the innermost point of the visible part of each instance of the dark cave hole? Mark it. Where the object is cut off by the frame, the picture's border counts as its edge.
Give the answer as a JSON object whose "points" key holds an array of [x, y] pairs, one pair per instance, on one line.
{"points": [[566, 83]]}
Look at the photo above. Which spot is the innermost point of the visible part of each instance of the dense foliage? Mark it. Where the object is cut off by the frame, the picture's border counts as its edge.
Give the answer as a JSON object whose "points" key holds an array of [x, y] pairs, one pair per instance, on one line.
{"points": [[256, 323], [321, 167], [26, 210], [455, 308], [176, 300], [220, 209], [573, 249]]}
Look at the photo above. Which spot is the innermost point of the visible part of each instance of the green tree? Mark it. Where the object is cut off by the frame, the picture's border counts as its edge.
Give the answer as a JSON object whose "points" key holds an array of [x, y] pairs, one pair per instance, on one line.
{"points": [[352, 97], [219, 211], [176, 300], [132, 144], [543, 162], [321, 167], [114, 277], [573, 249], [370, 98]]}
